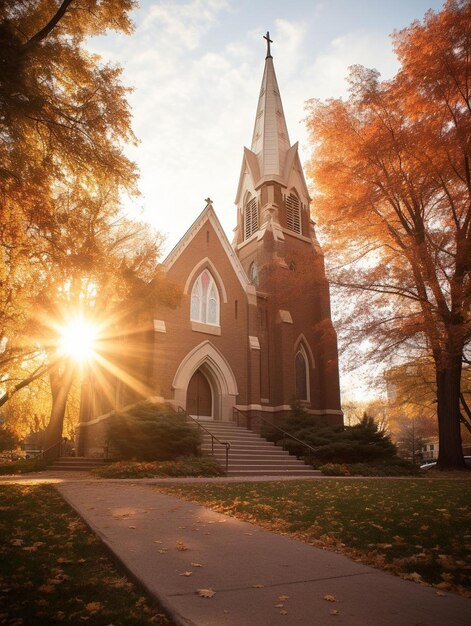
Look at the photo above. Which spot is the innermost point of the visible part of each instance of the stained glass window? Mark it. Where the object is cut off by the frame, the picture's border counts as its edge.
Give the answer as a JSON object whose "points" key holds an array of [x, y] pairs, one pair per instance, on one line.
{"points": [[205, 300]]}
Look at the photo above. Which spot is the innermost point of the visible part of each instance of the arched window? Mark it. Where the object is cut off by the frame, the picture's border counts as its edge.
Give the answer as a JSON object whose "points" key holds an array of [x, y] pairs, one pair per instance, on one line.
{"points": [[293, 213], [302, 374], [205, 300], [250, 217], [253, 274]]}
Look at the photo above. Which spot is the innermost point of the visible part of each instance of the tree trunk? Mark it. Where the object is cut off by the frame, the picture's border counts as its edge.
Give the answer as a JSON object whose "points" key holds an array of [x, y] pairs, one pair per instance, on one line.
{"points": [[448, 397], [61, 380]]}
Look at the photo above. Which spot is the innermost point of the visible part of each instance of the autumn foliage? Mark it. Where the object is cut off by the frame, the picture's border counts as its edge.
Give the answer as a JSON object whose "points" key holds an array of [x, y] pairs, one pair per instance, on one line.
{"points": [[65, 246], [392, 175]]}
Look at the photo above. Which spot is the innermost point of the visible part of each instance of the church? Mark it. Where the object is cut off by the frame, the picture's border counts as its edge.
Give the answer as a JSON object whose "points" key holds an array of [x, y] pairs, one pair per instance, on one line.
{"points": [[253, 329]]}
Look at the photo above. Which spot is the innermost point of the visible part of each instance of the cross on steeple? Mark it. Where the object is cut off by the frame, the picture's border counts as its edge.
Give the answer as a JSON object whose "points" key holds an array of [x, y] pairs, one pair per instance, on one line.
{"points": [[269, 41]]}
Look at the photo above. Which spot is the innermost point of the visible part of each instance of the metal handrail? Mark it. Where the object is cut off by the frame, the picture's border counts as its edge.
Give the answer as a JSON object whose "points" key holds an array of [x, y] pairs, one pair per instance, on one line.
{"points": [[311, 449], [226, 444], [54, 445]]}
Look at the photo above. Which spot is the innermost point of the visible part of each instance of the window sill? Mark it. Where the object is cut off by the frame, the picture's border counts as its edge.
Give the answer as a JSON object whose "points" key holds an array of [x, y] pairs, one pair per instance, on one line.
{"points": [[209, 329]]}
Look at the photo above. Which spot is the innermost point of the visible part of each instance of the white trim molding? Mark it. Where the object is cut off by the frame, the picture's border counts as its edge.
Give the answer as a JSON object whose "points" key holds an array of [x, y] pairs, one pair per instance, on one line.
{"points": [[254, 343], [285, 316], [217, 370], [159, 326], [206, 263], [209, 329], [302, 340], [285, 407], [208, 215]]}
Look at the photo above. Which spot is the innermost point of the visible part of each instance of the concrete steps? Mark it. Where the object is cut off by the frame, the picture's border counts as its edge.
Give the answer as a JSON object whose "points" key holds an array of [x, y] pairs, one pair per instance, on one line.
{"points": [[74, 464], [250, 454]]}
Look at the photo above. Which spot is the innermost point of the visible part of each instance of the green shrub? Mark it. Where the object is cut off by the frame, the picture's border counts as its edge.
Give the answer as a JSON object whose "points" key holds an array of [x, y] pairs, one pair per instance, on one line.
{"points": [[190, 466], [361, 443], [394, 467], [334, 469], [151, 432], [22, 466]]}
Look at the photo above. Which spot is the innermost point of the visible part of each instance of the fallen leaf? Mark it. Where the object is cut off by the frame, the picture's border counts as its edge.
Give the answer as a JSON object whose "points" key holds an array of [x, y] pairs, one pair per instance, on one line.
{"points": [[196, 564], [94, 606], [17, 542], [443, 585], [279, 606], [417, 578], [205, 593], [283, 598], [46, 589], [186, 573], [283, 612], [181, 546], [131, 527], [334, 612], [329, 598]]}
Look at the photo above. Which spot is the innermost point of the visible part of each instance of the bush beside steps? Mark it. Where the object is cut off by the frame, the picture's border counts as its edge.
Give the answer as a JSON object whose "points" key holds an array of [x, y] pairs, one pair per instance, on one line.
{"points": [[197, 466]]}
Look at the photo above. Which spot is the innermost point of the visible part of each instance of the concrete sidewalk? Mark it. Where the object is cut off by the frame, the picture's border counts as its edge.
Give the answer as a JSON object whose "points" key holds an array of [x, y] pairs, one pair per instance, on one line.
{"points": [[260, 578]]}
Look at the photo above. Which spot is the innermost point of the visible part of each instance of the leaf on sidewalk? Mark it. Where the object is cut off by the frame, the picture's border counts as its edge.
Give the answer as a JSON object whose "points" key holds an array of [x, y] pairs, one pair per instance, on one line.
{"points": [[205, 593]]}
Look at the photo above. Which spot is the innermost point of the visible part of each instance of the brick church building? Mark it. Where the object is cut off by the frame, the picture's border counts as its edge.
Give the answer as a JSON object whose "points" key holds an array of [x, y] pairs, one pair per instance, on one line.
{"points": [[253, 329]]}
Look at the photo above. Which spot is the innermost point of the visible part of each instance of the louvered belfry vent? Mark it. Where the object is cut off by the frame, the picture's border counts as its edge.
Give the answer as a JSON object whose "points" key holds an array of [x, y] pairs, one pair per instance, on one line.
{"points": [[293, 213], [251, 218]]}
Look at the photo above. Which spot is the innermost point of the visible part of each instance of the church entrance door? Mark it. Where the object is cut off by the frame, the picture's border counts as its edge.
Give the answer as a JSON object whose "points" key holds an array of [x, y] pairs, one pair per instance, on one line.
{"points": [[199, 397]]}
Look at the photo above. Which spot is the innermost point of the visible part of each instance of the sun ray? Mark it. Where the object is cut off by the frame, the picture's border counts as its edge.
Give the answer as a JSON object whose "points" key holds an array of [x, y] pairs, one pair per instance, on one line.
{"points": [[132, 382]]}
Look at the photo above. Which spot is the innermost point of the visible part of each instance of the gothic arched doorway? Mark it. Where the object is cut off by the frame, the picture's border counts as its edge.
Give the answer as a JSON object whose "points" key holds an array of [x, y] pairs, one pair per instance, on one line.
{"points": [[206, 359], [199, 396]]}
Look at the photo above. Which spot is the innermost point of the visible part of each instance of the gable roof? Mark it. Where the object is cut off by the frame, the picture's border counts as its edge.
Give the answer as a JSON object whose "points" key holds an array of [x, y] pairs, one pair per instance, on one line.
{"points": [[209, 214]]}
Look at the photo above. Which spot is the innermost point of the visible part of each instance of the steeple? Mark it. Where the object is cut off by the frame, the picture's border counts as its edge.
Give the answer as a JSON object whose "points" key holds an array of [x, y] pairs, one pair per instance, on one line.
{"points": [[272, 195], [270, 140]]}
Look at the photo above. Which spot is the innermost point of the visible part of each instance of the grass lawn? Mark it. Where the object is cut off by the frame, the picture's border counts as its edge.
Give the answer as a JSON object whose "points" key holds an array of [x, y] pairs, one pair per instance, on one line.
{"points": [[54, 570], [418, 529]]}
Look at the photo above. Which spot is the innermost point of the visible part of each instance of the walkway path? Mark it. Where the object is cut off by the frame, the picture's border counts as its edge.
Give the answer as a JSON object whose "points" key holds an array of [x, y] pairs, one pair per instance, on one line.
{"points": [[260, 578]]}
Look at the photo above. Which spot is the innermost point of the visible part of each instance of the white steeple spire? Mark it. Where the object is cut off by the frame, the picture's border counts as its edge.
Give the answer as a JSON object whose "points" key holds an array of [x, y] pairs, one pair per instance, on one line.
{"points": [[272, 192], [270, 141]]}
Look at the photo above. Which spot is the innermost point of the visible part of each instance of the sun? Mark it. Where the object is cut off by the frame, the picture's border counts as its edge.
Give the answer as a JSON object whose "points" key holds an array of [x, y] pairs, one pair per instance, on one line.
{"points": [[77, 339]]}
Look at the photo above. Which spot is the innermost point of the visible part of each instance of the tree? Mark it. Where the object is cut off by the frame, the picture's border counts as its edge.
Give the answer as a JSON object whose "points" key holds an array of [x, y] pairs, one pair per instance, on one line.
{"points": [[66, 249], [8, 439], [64, 120], [392, 172]]}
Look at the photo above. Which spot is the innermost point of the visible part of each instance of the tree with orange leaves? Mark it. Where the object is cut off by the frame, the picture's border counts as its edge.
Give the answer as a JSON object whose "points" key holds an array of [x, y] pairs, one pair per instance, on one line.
{"points": [[65, 245], [392, 173]]}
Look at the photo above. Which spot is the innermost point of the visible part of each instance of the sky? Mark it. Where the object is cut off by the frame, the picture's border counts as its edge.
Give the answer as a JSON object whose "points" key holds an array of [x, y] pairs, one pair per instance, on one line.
{"points": [[195, 67]]}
